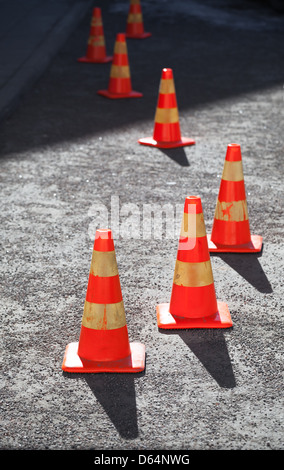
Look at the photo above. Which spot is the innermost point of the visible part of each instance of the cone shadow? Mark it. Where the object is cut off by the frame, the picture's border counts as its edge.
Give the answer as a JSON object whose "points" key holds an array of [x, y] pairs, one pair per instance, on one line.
{"points": [[249, 267], [116, 394], [178, 155], [210, 348]]}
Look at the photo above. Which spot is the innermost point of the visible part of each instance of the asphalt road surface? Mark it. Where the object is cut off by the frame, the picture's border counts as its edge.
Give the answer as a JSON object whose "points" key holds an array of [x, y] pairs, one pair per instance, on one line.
{"points": [[70, 162]]}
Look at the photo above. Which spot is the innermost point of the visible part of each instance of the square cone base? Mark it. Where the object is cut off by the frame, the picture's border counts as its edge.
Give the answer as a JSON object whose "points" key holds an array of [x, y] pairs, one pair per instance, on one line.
{"points": [[254, 246], [221, 319], [92, 61], [138, 36], [166, 145], [135, 362], [115, 96]]}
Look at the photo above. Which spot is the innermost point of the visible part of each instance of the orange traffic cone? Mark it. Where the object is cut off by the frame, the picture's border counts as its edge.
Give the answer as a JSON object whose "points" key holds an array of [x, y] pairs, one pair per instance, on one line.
{"points": [[120, 82], [193, 301], [96, 49], [231, 230], [103, 345], [166, 128], [135, 25]]}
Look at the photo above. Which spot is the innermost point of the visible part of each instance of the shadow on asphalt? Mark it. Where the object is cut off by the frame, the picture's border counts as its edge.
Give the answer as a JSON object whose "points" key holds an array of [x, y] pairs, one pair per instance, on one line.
{"points": [[249, 267], [209, 346], [116, 395], [178, 155]]}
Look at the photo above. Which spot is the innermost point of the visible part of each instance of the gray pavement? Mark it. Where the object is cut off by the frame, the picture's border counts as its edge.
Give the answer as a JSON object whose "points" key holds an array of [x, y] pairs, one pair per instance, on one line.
{"points": [[67, 153], [31, 32]]}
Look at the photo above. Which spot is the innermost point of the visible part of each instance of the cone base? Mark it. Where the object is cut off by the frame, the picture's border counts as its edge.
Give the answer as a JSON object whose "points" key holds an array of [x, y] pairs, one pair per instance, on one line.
{"points": [[104, 60], [138, 36], [95, 61], [114, 96], [221, 319], [135, 362], [254, 246], [166, 145]]}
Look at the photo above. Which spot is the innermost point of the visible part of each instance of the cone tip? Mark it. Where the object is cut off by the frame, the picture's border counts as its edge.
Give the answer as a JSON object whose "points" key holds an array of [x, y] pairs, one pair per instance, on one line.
{"points": [[103, 233], [167, 73], [103, 240], [96, 11], [233, 152], [193, 205], [120, 37]]}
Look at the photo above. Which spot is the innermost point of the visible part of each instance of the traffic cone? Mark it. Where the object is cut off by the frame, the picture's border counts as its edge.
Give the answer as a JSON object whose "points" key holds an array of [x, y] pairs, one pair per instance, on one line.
{"points": [[120, 82], [193, 301], [231, 229], [135, 25], [166, 132], [103, 344], [96, 49]]}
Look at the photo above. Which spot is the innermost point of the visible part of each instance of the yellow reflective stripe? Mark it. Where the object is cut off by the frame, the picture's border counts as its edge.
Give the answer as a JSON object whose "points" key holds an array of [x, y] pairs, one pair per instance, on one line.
{"points": [[103, 264], [120, 71], [235, 211], [96, 41], [193, 225], [96, 22], [120, 47], [166, 115], [233, 171], [193, 274], [135, 18], [167, 86], [104, 316]]}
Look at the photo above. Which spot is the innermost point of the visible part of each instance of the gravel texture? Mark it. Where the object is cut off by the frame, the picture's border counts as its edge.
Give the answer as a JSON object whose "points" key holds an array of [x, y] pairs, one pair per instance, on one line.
{"points": [[64, 151]]}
